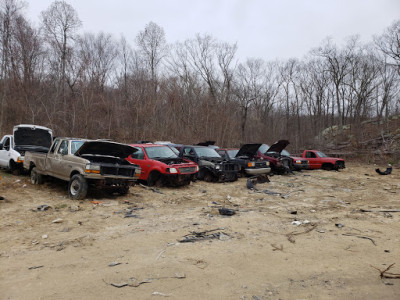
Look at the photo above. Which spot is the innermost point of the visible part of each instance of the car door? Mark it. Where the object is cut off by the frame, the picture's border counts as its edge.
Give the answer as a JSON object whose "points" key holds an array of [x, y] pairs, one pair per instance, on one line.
{"points": [[312, 160], [140, 159], [5, 152], [53, 158]]}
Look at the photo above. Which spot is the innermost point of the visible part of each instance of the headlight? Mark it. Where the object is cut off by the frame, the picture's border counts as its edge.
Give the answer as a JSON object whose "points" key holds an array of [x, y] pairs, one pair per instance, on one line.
{"points": [[138, 171], [197, 168], [92, 169], [267, 162], [172, 170], [218, 167], [251, 164], [298, 162], [20, 159]]}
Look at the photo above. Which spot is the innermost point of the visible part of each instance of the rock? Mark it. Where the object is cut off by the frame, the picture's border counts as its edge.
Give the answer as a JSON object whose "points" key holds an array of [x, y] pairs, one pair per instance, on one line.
{"points": [[223, 237], [297, 223], [74, 208], [44, 236]]}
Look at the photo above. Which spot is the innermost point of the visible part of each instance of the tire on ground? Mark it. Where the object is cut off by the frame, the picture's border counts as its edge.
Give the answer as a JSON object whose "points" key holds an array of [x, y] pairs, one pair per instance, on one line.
{"points": [[36, 178], [77, 187]]}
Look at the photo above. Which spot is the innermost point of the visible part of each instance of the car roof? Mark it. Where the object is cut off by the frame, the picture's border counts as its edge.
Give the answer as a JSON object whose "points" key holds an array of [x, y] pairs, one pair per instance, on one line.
{"points": [[147, 145]]}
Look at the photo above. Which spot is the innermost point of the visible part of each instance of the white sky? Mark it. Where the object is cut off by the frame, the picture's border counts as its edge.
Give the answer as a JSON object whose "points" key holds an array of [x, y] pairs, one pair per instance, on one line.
{"points": [[266, 29]]}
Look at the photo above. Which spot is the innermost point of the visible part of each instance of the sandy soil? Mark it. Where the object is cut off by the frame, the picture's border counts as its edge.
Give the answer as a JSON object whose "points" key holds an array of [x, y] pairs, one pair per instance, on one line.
{"points": [[255, 254]]}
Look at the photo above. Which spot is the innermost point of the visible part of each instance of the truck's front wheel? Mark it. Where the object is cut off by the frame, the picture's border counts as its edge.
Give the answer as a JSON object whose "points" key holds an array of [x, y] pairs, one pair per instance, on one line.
{"points": [[77, 187]]}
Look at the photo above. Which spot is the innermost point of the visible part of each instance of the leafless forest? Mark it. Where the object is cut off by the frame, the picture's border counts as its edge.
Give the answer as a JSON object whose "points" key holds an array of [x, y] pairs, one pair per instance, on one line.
{"points": [[96, 85]]}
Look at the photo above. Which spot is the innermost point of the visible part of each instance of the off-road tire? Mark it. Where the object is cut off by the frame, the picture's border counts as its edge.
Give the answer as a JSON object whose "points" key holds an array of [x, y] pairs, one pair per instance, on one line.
{"points": [[77, 187], [36, 178]]}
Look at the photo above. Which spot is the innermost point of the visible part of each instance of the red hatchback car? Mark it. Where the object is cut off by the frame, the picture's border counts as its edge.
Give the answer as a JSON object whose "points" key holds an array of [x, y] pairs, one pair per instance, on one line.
{"points": [[162, 166]]}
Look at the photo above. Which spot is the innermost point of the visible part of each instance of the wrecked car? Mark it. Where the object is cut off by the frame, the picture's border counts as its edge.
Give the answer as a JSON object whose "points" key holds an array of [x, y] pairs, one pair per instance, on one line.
{"points": [[25, 137], [246, 158], [162, 166], [84, 163], [213, 168], [279, 164], [278, 150]]}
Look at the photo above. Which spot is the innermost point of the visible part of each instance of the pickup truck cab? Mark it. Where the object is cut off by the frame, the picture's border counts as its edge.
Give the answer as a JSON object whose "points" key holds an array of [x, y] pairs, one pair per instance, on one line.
{"points": [[319, 160], [212, 167], [25, 137], [84, 163], [160, 165]]}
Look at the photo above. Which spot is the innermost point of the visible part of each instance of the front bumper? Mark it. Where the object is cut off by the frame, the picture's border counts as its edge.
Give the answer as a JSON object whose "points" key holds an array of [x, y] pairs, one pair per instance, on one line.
{"points": [[257, 171]]}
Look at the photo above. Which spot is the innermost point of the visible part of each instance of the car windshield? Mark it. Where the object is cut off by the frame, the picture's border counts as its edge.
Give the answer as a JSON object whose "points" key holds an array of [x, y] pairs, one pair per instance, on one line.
{"points": [[232, 153], [160, 152], [320, 154], [263, 148], [75, 145], [285, 153], [206, 152]]}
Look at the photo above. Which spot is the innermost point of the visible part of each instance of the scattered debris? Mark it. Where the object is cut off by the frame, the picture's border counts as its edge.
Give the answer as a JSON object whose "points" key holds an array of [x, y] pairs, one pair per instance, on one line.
{"points": [[383, 211], [96, 202], [293, 212], [200, 236], [155, 190], [35, 242], [59, 220], [43, 207], [338, 225], [113, 264], [1, 198], [360, 236], [297, 223], [290, 236], [387, 172], [226, 211], [160, 294], [275, 247], [386, 274], [35, 267], [119, 285], [44, 236]]}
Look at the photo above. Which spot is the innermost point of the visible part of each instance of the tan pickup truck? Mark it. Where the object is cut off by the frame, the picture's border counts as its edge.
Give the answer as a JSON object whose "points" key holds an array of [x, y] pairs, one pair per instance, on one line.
{"points": [[84, 163]]}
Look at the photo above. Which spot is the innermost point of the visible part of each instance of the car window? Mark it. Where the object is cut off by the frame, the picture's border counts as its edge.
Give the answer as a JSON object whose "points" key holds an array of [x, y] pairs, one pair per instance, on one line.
{"points": [[63, 148], [139, 154], [75, 145], [160, 152], [263, 148], [53, 148]]}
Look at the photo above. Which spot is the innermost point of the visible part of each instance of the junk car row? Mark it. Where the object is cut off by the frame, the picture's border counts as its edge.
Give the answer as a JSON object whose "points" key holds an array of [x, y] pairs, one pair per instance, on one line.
{"points": [[114, 167]]}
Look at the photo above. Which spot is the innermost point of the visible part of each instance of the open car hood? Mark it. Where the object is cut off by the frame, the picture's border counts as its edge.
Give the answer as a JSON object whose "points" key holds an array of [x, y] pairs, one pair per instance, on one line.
{"points": [[249, 150], [206, 143], [105, 148], [278, 146], [32, 136]]}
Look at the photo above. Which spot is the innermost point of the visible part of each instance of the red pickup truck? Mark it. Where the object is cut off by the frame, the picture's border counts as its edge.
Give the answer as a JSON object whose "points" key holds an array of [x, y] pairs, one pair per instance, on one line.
{"points": [[318, 160], [162, 166]]}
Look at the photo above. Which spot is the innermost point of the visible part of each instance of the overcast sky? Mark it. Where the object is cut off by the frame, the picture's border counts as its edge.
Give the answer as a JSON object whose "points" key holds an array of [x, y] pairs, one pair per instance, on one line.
{"points": [[267, 29]]}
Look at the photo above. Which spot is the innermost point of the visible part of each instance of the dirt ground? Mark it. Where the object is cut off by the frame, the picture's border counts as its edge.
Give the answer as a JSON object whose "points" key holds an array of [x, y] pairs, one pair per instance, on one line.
{"points": [[90, 250]]}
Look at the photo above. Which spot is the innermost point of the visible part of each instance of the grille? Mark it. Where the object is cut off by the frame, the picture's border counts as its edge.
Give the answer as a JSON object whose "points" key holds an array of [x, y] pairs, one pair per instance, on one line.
{"points": [[230, 167], [117, 170], [186, 170], [261, 165]]}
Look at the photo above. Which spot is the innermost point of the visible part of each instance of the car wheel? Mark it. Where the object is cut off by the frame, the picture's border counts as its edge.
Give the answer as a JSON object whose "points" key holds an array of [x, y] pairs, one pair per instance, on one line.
{"points": [[123, 190], [327, 167], [77, 187], [154, 179], [36, 178]]}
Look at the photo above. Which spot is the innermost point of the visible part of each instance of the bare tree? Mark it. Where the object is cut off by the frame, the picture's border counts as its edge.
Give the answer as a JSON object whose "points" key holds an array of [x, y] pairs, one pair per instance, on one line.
{"points": [[60, 23], [153, 46], [389, 43]]}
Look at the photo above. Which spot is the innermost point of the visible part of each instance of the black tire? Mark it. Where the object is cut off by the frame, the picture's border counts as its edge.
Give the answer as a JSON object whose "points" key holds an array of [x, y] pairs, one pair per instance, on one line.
{"points": [[327, 167], [123, 190], [14, 168], [154, 179], [36, 178], [77, 187]]}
